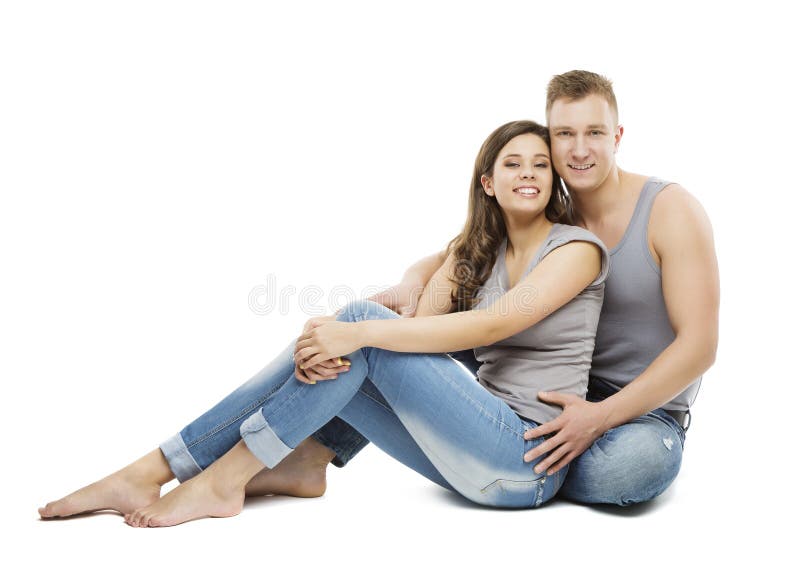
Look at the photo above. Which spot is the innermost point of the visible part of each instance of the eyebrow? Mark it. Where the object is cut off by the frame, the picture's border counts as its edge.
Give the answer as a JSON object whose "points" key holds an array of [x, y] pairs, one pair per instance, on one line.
{"points": [[592, 126], [518, 155]]}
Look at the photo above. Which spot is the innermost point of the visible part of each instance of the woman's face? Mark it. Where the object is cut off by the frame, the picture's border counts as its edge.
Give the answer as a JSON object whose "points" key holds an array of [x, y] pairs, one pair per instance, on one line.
{"points": [[522, 180]]}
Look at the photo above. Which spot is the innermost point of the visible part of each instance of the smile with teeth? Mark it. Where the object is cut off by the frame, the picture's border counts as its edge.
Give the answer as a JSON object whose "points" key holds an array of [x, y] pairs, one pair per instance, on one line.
{"points": [[527, 191], [582, 167]]}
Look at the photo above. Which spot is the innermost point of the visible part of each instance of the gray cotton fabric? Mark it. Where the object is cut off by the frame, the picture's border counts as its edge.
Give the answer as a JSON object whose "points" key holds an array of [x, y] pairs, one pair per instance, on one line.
{"points": [[634, 325], [554, 354]]}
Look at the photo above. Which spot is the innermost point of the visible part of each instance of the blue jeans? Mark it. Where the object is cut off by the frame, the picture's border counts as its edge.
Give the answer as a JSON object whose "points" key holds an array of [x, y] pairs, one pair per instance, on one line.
{"points": [[632, 463], [425, 410], [629, 464]]}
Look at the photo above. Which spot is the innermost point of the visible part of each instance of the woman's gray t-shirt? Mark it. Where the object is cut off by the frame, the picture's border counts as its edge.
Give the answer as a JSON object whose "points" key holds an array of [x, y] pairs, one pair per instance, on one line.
{"points": [[553, 355]]}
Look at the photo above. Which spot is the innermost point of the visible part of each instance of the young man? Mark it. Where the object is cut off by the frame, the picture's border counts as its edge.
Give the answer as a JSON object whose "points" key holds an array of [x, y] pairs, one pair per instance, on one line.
{"points": [[658, 328]]}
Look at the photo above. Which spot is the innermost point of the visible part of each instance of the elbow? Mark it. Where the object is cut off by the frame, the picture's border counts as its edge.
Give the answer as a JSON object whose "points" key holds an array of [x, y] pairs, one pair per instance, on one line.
{"points": [[705, 350]]}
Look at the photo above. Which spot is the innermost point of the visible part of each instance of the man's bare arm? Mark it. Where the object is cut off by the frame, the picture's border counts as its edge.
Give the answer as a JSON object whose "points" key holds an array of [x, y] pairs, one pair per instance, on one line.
{"points": [[684, 242]]}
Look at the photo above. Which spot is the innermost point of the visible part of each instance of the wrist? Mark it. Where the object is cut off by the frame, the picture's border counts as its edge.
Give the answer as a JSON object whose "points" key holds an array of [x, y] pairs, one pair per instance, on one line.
{"points": [[606, 410], [363, 333]]}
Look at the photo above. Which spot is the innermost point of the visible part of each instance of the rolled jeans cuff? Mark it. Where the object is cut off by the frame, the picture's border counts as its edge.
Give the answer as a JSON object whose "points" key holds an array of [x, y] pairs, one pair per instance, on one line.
{"points": [[180, 461], [262, 441]]}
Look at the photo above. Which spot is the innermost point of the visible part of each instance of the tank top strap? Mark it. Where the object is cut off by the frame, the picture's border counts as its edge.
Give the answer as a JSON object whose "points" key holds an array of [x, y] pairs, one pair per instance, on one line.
{"points": [[641, 215]]}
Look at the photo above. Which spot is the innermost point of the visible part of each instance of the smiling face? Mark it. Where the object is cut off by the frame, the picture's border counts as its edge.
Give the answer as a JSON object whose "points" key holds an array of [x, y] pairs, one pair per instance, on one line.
{"points": [[584, 138], [521, 178]]}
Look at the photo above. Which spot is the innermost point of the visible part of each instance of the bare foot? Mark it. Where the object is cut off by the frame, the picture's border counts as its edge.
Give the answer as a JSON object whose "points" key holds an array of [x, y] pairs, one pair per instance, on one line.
{"points": [[198, 497], [301, 474], [216, 492], [134, 486]]}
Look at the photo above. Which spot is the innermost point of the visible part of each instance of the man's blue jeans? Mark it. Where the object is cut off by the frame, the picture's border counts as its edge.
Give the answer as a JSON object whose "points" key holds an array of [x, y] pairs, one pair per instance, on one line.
{"points": [[425, 410]]}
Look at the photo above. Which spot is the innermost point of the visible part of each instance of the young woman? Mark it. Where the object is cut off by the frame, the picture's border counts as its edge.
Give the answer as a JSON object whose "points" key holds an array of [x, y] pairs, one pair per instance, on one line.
{"points": [[528, 291]]}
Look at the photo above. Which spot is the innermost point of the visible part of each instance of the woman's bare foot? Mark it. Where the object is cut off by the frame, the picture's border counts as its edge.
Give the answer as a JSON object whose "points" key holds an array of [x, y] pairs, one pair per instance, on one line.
{"points": [[216, 492], [300, 474], [134, 486]]}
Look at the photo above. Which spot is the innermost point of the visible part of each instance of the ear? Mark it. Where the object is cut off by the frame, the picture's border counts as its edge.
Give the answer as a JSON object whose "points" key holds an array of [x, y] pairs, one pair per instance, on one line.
{"points": [[487, 185], [618, 137]]}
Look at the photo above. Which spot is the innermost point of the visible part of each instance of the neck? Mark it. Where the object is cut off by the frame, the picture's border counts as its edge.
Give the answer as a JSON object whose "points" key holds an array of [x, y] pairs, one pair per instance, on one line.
{"points": [[591, 205], [525, 236]]}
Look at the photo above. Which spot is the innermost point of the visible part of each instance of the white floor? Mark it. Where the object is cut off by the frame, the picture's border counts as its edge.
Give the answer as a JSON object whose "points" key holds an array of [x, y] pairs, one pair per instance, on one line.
{"points": [[378, 515]]}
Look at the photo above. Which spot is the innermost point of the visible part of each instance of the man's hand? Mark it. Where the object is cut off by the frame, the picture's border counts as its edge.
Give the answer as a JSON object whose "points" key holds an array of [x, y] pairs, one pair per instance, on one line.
{"points": [[402, 298], [578, 426], [327, 370]]}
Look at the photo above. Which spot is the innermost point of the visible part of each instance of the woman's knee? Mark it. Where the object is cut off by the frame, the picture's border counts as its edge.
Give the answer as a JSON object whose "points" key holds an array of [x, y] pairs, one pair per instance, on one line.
{"points": [[359, 310]]}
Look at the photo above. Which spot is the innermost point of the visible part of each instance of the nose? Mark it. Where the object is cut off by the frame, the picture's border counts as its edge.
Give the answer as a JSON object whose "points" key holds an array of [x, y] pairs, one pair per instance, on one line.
{"points": [[527, 172], [580, 150]]}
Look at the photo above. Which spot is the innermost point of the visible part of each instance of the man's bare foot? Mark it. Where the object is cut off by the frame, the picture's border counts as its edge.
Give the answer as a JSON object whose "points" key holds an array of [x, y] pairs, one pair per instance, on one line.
{"points": [[300, 474], [216, 492], [134, 486]]}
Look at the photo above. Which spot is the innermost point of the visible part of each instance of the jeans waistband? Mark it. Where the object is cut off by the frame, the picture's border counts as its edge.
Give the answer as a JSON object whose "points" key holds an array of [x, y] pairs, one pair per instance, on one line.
{"points": [[683, 417]]}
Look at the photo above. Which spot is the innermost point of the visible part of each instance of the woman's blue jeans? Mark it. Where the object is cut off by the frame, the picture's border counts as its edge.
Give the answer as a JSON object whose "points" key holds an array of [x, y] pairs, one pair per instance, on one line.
{"points": [[425, 410]]}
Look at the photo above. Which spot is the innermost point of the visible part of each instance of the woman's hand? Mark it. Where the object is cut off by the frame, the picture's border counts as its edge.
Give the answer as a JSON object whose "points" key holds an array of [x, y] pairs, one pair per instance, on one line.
{"points": [[326, 340], [327, 370]]}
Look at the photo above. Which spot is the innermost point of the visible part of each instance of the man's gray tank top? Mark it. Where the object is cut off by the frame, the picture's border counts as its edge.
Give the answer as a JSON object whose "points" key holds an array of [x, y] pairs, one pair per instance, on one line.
{"points": [[554, 354], [634, 326]]}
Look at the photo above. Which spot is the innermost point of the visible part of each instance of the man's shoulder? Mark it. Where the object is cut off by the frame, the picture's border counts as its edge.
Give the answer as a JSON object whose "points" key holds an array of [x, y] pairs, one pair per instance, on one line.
{"points": [[675, 201], [677, 216]]}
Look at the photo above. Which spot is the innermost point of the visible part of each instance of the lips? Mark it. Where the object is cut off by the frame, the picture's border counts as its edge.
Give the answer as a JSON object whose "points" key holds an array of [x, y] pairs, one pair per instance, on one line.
{"points": [[581, 167]]}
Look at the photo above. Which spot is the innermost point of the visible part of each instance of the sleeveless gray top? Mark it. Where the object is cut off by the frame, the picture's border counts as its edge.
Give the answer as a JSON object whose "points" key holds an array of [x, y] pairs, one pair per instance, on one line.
{"points": [[634, 326], [554, 354]]}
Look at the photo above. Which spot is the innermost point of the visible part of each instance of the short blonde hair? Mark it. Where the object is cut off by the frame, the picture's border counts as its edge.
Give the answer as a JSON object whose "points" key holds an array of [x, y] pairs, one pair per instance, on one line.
{"points": [[578, 84]]}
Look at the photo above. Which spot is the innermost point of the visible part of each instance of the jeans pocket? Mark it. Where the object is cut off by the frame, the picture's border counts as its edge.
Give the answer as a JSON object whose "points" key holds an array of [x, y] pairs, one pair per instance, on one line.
{"points": [[514, 493]]}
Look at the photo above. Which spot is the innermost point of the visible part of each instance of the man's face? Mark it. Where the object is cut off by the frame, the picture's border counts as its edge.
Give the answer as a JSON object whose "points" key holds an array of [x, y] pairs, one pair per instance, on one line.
{"points": [[584, 138]]}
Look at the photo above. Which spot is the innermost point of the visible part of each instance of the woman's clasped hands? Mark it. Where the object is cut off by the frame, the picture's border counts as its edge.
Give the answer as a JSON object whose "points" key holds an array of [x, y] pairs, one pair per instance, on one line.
{"points": [[319, 351]]}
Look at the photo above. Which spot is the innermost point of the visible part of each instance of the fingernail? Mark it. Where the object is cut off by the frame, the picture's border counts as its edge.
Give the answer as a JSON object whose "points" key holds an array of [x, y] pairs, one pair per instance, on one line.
{"points": [[313, 382], [347, 363], [537, 469]]}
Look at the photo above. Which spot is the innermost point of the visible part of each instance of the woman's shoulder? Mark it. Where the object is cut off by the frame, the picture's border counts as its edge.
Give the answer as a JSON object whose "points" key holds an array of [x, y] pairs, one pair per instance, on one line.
{"points": [[562, 234]]}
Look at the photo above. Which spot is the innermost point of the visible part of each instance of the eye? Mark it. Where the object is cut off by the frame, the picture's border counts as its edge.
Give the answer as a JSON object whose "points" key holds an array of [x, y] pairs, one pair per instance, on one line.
{"points": [[542, 165], [512, 164], [596, 132], [562, 133]]}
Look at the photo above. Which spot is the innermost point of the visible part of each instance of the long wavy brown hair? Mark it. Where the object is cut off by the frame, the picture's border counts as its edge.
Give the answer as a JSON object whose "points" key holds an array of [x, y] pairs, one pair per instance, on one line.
{"points": [[475, 248]]}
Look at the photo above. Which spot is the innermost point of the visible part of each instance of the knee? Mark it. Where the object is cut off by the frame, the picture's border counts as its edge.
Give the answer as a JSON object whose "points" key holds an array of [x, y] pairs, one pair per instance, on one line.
{"points": [[635, 466], [359, 310]]}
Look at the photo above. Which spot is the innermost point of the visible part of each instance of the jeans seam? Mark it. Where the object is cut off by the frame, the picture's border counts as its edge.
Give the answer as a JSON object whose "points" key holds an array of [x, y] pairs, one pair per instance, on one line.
{"points": [[244, 413]]}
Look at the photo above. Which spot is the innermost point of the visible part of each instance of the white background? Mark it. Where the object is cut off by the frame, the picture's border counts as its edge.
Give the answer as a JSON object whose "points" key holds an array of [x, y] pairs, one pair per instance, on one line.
{"points": [[159, 160]]}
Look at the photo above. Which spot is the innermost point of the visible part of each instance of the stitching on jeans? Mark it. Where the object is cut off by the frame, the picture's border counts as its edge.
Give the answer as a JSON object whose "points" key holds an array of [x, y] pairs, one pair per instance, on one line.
{"points": [[242, 414]]}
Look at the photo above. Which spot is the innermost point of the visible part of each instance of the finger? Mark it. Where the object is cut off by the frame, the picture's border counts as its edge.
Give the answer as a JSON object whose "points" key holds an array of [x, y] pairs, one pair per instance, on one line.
{"points": [[556, 398], [313, 360], [301, 356], [303, 343], [326, 372], [543, 448], [542, 466], [300, 375], [542, 430], [562, 463]]}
